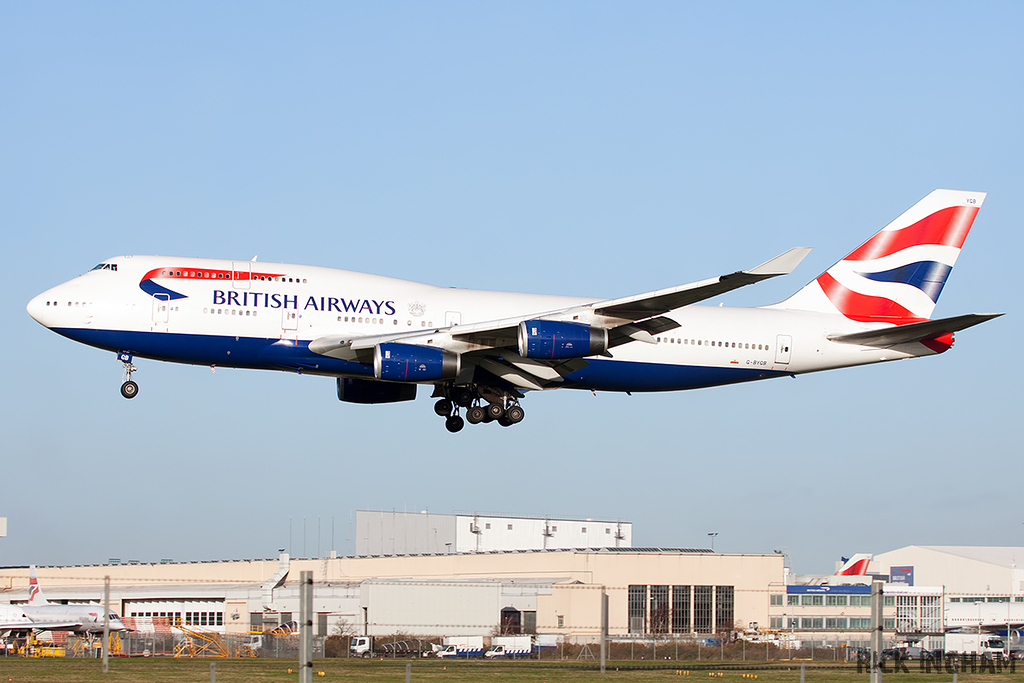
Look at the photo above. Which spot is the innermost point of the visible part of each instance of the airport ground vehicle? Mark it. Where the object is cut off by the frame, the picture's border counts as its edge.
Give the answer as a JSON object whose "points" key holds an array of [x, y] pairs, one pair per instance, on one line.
{"points": [[462, 646], [511, 646], [367, 646], [984, 644]]}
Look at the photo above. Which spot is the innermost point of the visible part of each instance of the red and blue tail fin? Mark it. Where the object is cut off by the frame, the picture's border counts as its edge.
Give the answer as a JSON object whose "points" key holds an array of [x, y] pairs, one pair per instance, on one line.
{"points": [[35, 593], [855, 566], [898, 274]]}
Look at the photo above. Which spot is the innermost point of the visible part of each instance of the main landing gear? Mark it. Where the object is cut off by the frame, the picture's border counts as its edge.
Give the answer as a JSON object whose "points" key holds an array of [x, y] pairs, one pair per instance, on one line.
{"points": [[129, 389], [482, 404]]}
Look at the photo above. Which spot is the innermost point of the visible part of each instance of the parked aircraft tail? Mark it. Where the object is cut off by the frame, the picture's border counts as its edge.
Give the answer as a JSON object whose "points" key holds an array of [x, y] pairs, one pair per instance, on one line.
{"points": [[855, 566], [898, 274], [35, 593]]}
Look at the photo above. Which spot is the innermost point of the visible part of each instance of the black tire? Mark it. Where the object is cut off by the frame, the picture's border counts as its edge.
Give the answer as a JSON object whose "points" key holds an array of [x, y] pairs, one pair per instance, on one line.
{"points": [[504, 421], [454, 424], [367, 655], [443, 407], [129, 389], [496, 410], [515, 414], [475, 415], [463, 397]]}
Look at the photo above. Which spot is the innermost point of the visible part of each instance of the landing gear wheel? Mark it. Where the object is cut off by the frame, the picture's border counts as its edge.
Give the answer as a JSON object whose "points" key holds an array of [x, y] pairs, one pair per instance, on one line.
{"points": [[496, 410], [475, 415], [504, 421], [515, 414], [454, 424], [443, 407], [463, 397], [129, 389]]}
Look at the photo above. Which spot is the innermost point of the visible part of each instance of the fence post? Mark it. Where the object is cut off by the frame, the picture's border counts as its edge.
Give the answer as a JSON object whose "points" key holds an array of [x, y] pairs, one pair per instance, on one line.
{"points": [[107, 623], [213, 672], [604, 629], [408, 673], [306, 627]]}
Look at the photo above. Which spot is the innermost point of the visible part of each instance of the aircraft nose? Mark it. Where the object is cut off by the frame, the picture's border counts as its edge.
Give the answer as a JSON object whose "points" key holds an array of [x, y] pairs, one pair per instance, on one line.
{"points": [[39, 308]]}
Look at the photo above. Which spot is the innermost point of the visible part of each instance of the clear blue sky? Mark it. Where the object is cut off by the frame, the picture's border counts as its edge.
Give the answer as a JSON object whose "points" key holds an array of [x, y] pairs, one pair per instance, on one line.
{"points": [[598, 149]]}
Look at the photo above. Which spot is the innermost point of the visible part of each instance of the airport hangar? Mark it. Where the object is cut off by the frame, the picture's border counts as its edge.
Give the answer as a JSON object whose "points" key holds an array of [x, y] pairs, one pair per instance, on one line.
{"points": [[529, 574], [539, 586]]}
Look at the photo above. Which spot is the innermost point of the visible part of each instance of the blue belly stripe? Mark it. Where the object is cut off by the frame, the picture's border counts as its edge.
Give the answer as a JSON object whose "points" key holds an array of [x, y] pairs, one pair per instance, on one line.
{"points": [[273, 354]]}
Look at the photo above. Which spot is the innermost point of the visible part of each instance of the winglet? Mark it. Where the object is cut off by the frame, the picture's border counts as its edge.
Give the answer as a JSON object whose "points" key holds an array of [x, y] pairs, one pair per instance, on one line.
{"points": [[783, 264]]}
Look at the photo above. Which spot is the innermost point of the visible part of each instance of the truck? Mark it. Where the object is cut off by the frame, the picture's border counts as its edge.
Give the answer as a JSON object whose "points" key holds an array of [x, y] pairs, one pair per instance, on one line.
{"points": [[368, 646], [985, 644], [462, 646], [511, 646]]}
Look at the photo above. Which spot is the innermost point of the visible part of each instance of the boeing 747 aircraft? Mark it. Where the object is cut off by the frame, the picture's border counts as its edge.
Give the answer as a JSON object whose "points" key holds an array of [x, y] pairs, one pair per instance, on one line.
{"points": [[381, 337]]}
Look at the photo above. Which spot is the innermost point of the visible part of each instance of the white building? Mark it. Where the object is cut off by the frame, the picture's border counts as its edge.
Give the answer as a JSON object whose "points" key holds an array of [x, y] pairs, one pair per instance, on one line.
{"points": [[662, 591], [409, 533], [969, 574]]}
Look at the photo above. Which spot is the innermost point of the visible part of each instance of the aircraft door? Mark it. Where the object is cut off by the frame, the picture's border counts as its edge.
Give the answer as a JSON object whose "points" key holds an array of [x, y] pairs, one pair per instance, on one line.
{"points": [[241, 274], [452, 318], [161, 307], [783, 344], [290, 320]]}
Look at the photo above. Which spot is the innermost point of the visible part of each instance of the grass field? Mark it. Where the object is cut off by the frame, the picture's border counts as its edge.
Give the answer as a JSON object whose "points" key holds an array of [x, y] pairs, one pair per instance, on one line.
{"points": [[159, 670]]}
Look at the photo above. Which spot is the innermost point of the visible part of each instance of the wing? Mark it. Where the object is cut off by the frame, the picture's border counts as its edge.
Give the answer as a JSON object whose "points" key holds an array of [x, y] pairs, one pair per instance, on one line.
{"points": [[490, 344], [39, 625]]}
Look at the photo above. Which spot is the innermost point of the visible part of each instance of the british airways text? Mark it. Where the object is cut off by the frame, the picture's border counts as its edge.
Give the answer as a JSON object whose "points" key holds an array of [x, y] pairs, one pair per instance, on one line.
{"points": [[325, 304]]}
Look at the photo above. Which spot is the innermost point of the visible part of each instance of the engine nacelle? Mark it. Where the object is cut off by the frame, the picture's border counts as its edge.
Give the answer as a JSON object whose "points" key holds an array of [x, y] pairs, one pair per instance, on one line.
{"points": [[357, 390], [413, 363], [554, 340]]}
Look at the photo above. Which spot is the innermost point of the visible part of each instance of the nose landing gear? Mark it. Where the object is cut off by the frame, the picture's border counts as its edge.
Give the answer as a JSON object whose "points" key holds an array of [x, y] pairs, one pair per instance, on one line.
{"points": [[129, 389]]}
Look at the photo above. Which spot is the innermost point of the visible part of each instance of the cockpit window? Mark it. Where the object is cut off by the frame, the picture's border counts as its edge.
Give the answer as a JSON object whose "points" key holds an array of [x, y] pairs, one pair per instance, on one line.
{"points": [[106, 266]]}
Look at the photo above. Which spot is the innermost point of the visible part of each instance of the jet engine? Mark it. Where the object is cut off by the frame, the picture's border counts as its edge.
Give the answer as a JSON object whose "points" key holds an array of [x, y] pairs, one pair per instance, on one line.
{"points": [[357, 390], [555, 340], [412, 363]]}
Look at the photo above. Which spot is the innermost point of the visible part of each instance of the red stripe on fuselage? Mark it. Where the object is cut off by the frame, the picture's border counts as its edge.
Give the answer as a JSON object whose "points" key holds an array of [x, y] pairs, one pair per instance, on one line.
{"points": [[206, 274], [947, 227]]}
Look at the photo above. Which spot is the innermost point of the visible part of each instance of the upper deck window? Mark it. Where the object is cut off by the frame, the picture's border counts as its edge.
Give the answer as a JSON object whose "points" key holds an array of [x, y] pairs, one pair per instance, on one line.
{"points": [[105, 266]]}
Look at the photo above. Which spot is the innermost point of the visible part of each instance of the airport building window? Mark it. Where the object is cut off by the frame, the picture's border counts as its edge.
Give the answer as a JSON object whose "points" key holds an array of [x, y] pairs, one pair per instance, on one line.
{"points": [[724, 612], [775, 599], [805, 600], [680, 609], [793, 622], [637, 609], [774, 622], [890, 600], [702, 606], [792, 600], [659, 609]]}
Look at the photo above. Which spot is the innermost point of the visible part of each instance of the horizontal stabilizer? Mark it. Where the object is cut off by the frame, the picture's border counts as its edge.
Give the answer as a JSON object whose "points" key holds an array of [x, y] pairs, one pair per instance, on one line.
{"points": [[912, 332]]}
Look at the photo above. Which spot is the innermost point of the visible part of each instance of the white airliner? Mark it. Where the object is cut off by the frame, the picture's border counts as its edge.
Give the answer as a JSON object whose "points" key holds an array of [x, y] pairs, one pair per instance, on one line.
{"points": [[14, 620], [381, 337], [86, 618]]}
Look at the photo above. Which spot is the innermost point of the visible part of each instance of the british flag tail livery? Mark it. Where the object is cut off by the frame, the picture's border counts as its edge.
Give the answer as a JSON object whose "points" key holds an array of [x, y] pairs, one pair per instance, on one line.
{"points": [[897, 275], [35, 593], [855, 566]]}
